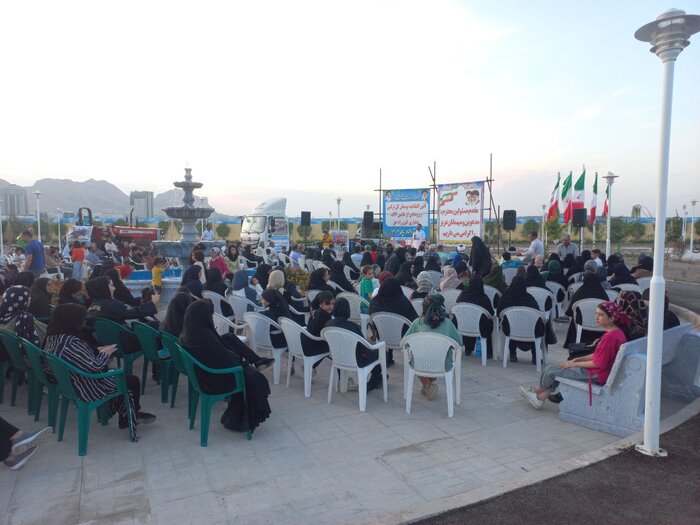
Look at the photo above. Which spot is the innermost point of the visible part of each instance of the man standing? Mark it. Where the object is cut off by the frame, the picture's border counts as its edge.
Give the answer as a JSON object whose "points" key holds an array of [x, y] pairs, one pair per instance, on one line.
{"points": [[536, 248], [34, 261], [208, 234], [566, 248], [418, 236]]}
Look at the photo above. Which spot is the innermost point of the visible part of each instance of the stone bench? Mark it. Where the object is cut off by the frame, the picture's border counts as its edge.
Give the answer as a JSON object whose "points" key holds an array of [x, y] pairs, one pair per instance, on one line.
{"points": [[618, 406], [680, 379]]}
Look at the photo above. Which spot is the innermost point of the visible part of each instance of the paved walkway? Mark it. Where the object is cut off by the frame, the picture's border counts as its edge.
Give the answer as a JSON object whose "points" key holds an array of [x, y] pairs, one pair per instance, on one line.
{"points": [[311, 462]]}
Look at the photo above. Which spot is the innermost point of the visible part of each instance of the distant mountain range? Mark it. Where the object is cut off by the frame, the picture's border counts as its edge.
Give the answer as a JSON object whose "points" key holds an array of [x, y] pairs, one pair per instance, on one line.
{"points": [[103, 197]]}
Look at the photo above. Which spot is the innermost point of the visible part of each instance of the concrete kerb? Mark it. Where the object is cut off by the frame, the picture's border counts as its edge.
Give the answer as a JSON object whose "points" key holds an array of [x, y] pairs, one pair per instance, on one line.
{"points": [[487, 492]]}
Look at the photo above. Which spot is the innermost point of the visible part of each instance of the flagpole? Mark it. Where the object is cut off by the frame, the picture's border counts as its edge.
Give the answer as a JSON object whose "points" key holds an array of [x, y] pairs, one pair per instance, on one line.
{"points": [[610, 178]]}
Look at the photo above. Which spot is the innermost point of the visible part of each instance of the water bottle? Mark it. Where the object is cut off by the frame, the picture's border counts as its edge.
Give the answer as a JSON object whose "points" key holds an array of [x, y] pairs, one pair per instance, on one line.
{"points": [[477, 348]]}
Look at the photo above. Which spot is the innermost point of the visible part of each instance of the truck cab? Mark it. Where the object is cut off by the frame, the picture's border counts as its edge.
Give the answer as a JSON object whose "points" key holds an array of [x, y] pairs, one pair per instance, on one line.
{"points": [[267, 222]]}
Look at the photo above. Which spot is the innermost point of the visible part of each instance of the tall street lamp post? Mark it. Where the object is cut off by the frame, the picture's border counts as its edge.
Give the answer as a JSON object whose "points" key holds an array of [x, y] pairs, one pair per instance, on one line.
{"points": [[692, 227], [338, 200], [668, 36], [37, 194], [610, 179]]}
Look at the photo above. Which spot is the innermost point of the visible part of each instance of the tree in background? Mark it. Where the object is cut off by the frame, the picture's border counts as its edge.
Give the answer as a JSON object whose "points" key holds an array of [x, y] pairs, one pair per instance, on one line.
{"points": [[530, 225], [554, 229], [618, 230], [223, 230], [674, 228], [636, 230]]}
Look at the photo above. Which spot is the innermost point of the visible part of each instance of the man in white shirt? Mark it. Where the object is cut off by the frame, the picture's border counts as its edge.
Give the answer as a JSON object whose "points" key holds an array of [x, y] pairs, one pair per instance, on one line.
{"points": [[595, 255], [208, 234], [536, 248], [418, 237], [294, 256]]}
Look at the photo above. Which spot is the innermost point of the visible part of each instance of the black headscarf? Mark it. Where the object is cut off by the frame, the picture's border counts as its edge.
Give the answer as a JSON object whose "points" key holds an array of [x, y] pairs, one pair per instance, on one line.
{"points": [[25, 279], [98, 288], [40, 299], [404, 276], [613, 260], [14, 306], [390, 298], [366, 259], [317, 282], [577, 267], [568, 262], [338, 276], [277, 305], [586, 255], [647, 263], [67, 319], [327, 257], [516, 295], [432, 264], [190, 278], [480, 257], [347, 261], [65, 294], [590, 289], [240, 282], [175, 316], [214, 281], [554, 257], [121, 292], [622, 275], [534, 278], [555, 274], [417, 266], [262, 274], [341, 310], [473, 293]]}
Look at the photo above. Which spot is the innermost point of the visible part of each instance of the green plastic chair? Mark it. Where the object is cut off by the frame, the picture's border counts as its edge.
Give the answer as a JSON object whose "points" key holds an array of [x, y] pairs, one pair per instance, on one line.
{"points": [[107, 332], [207, 401], [149, 340], [19, 366], [3, 371], [41, 380], [62, 371], [171, 342]]}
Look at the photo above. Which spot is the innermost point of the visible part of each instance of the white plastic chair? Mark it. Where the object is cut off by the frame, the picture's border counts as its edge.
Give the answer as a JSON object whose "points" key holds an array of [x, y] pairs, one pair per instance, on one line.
{"points": [[570, 291], [587, 309], [644, 283], [247, 263], [301, 263], [389, 330], [574, 277], [292, 333], [408, 292], [450, 297], [311, 295], [216, 299], [508, 274], [342, 348], [319, 264], [612, 294], [427, 352], [335, 286], [223, 325], [627, 287], [259, 327], [284, 258], [346, 271], [559, 291], [468, 317], [310, 265], [522, 321], [436, 277], [541, 295], [418, 306], [239, 305], [355, 304], [493, 294]]}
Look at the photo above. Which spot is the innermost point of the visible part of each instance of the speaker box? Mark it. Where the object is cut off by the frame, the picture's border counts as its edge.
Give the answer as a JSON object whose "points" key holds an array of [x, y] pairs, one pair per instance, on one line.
{"points": [[306, 218], [509, 219], [367, 222], [580, 217]]}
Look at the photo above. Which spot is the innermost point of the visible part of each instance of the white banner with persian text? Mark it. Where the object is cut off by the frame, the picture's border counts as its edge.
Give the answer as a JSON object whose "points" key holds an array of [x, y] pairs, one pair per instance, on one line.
{"points": [[460, 212]]}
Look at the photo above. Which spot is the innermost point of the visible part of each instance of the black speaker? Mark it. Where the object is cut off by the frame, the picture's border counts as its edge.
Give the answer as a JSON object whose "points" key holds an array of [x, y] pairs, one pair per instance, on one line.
{"points": [[580, 218], [509, 218], [367, 222], [306, 218]]}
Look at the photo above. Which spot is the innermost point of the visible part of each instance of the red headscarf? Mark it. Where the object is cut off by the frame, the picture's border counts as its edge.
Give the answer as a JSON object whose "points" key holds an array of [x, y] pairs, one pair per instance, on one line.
{"points": [[612, 309]]}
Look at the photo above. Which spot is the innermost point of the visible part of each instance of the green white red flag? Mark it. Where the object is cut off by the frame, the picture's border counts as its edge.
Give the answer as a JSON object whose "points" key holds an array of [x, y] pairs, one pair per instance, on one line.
{"points": [[605, 206], [566, 194], [554, 201], [577, 201], [594, 199]]}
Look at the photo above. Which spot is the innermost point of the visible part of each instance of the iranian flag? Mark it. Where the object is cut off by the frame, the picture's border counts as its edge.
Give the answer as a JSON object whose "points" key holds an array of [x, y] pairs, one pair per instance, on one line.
{"points": [[566, 195], [554, 201], [605, 206], [594, 199], [577, 200]]}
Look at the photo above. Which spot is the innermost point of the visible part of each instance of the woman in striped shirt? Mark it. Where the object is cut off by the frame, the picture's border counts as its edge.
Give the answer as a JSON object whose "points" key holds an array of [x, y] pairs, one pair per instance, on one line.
{"points": [[63, 340]]}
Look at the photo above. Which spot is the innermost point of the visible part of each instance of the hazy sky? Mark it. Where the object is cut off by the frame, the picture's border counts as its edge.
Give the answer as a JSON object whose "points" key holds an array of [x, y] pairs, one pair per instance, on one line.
{"points": [[308, 99]]}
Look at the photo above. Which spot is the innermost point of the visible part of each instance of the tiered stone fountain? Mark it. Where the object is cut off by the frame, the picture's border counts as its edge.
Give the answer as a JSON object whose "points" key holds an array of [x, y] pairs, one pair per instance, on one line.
{"points": [[189, 214]]}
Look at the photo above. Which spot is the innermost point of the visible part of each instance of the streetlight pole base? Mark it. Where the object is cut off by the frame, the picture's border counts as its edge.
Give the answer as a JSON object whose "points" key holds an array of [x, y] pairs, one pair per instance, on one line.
{"points": [[660, 453]]}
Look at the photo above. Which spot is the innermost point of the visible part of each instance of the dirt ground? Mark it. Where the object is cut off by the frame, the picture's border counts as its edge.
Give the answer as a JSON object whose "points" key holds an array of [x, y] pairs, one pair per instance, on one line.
{"points": [[682, 271], [628, 488]]}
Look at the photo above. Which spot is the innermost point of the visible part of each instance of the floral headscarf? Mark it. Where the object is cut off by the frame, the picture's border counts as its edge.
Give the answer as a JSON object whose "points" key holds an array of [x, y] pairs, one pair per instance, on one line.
{"points": [[14, 306], [615, 311], [633, 305]]}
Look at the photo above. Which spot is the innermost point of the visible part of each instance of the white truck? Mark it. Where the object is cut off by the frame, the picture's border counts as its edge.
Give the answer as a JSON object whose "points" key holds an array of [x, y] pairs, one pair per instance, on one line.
{"points": [[267, 222]]}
